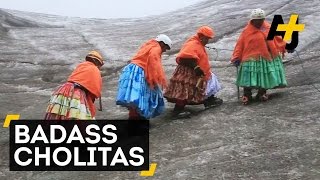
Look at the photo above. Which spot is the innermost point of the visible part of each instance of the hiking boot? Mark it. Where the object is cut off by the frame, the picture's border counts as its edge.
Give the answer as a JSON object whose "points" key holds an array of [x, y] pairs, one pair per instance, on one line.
{"points": [[212, 101], [247, 95], [179, 111], [262, 95], [246, 99]]}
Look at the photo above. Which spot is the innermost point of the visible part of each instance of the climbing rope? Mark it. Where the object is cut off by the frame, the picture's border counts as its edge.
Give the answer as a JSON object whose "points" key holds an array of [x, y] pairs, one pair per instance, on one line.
{"points": [[304, 71], [217, 51]]}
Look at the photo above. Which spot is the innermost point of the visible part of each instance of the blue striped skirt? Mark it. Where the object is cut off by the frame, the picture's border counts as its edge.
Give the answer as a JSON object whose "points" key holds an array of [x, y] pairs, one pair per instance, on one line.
{"points": [[134, 92]]}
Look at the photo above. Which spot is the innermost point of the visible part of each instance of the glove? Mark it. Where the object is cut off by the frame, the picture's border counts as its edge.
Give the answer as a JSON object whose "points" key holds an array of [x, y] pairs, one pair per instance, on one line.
{"points": [[198, 71], [290, 51], [236, 62]]}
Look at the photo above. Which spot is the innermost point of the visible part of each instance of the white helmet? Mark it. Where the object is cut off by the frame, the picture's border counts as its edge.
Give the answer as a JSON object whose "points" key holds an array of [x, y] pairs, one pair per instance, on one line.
{"points": [[258, 14], [165, 39]]}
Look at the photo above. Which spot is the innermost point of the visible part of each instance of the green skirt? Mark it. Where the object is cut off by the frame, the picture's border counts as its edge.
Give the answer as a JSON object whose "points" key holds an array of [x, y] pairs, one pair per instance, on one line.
{"points": [[262, 74]]}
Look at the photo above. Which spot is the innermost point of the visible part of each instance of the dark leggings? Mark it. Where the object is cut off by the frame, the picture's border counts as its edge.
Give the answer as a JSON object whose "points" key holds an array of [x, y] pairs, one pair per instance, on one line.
{"points": [[134, 115]]}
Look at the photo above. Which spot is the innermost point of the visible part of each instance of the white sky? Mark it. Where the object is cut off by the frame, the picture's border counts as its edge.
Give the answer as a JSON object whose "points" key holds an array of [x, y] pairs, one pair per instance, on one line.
{"points": [[98, 8]]}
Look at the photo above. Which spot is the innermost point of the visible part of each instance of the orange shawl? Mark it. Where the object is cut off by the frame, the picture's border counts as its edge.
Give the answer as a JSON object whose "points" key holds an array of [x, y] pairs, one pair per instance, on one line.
{"points": [[149, 59], [193, 49], [88, 75], [253, 43]]}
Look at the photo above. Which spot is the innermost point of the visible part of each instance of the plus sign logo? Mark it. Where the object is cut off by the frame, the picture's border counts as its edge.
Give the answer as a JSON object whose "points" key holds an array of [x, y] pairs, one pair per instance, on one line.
{"points": [[287, 31]]}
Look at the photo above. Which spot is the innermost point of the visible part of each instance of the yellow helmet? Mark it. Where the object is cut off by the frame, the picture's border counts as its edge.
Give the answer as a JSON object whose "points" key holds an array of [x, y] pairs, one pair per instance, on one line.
{"points": [[95, 55]]}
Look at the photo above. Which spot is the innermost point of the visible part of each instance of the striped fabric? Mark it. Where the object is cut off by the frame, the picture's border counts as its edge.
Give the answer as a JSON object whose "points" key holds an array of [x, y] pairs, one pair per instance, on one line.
{"points": [[68, 102]]}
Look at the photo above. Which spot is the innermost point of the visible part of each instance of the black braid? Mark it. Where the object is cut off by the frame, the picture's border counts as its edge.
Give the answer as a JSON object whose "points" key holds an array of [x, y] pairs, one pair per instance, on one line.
{"points": [[94, 61]]}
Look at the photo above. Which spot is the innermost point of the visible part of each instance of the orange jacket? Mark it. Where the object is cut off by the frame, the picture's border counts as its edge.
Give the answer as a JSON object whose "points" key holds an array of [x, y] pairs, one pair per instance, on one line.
{"points": [[253, 43], [88, 75], [193, 49], [149, 59]]}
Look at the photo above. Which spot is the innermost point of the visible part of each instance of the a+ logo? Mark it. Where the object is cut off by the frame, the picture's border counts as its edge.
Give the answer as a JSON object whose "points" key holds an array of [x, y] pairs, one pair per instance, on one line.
{"points": [[287, 31]]}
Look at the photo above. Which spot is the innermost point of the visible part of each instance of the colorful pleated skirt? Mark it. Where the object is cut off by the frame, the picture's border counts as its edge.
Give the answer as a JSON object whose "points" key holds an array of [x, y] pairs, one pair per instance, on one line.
{"points": [[68, 102], [262, 73], [134, 92], [182, 87]]}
